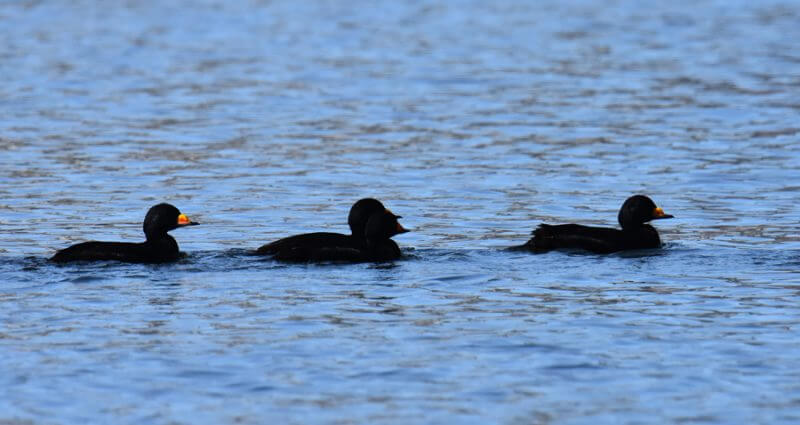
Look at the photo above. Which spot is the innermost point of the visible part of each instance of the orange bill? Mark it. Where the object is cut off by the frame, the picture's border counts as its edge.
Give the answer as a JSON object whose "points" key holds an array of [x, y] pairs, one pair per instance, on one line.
{"points": [[659, 213], [183, 220]]}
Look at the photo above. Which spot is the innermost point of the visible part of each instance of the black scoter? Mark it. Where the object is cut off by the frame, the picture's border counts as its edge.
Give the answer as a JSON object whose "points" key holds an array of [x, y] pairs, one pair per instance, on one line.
{"points": [[635, 234], [371, 226], [159, 247]]}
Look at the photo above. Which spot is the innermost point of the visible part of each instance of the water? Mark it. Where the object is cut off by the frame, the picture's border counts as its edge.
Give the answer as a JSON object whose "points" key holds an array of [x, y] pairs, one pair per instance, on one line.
{"points": [[474, 121]]}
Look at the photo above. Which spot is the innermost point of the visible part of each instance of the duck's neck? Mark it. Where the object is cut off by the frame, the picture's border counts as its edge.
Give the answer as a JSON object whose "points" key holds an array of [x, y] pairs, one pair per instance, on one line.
{"points": [[372, 242], [162, 240], [641, 230], [636, 227]]}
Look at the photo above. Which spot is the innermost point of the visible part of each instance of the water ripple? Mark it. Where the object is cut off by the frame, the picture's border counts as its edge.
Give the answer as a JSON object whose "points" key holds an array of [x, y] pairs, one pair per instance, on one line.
{"points": [[475, 121]]}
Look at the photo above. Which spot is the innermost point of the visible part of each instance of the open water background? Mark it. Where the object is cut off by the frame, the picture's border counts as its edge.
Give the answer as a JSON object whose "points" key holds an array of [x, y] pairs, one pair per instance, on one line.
{"points": [[474, 121]]}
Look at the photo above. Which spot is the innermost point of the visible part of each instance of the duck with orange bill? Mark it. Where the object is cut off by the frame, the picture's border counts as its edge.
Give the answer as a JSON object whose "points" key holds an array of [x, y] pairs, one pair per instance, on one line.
{"points": [[158, 247], [636, 212]]}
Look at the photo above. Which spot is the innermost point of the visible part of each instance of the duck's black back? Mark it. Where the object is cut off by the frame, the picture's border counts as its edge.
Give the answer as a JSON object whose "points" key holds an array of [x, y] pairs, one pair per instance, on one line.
{"points": [[320, 246], [595, 239], [333, 247], [160, 250]]}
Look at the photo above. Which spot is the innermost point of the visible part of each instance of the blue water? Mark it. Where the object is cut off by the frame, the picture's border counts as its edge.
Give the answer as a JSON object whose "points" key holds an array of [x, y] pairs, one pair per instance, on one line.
{"points": [[475, 121]]}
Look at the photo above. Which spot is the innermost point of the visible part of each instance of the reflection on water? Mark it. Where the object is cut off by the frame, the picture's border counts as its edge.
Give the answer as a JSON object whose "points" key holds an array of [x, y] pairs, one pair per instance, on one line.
{"points": [[474, 121]]}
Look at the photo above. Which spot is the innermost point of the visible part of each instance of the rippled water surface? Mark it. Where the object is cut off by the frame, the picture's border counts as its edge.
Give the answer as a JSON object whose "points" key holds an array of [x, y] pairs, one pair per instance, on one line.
{"points": [[474, 121]]}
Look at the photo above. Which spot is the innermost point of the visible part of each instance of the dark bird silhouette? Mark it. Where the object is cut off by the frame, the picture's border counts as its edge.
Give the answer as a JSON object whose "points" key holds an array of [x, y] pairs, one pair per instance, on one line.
{"points": [[371, 227], [635, 234], [159, 247]]}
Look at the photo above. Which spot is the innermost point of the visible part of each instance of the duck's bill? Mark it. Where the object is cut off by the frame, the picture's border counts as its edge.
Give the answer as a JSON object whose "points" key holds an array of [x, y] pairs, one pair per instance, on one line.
{"points": [[401, 229], [183, 220], [658, 213]]}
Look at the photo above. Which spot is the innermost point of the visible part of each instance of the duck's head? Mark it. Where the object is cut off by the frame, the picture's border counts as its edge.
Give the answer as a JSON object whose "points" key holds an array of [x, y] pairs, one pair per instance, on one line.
{"points": [[162, 218], [382, 225], [360, 213], [637, 210]]}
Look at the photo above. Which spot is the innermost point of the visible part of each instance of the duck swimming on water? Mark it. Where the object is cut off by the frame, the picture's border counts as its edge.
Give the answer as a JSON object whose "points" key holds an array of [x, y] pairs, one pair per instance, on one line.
{"points": [[633, 217], [159, 247], [371, 226]]}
